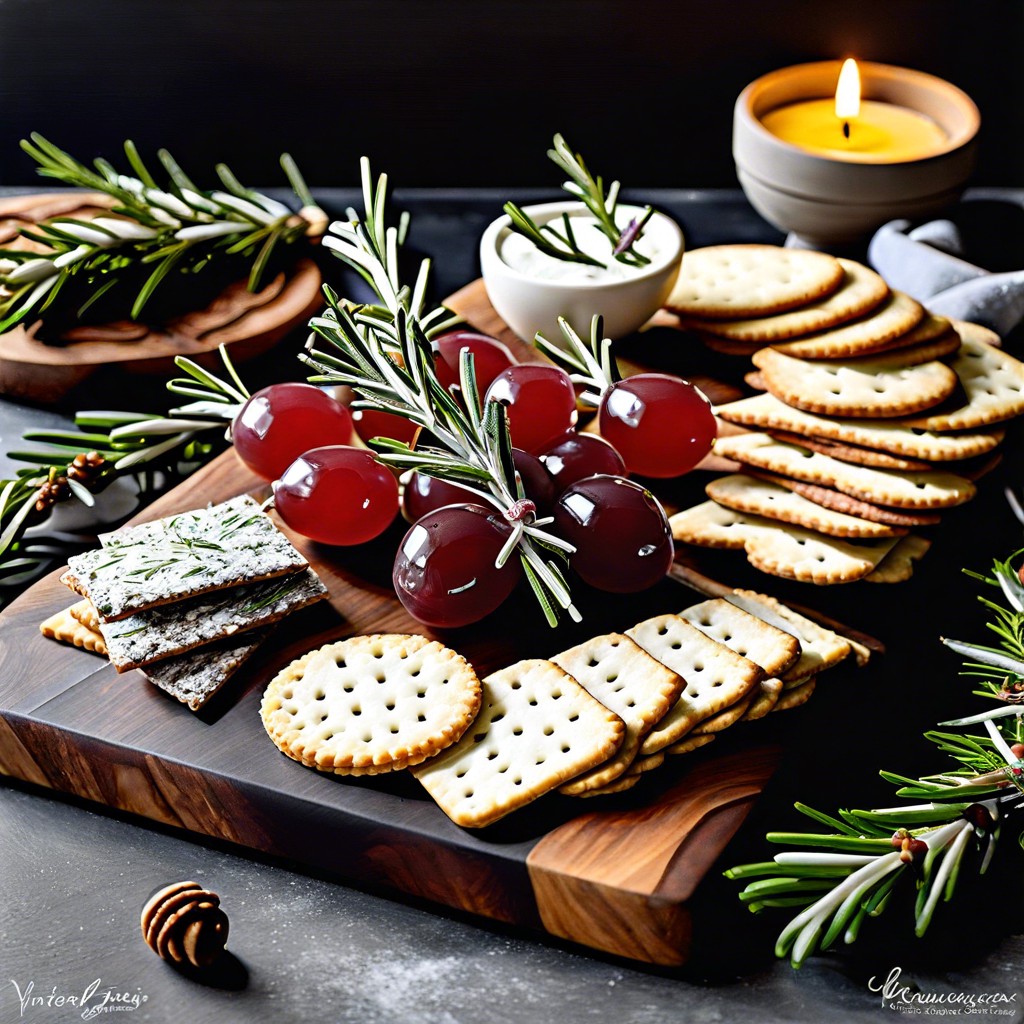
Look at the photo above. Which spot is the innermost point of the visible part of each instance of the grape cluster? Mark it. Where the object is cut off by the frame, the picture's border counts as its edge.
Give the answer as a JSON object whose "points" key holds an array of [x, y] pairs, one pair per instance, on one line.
{"points": [[446, 572]]}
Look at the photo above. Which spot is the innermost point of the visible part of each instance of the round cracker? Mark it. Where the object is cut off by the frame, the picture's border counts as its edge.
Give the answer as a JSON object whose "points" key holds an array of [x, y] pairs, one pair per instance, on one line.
{"points": [[896, 316], [371, 704], [861, 291], [730, 281], [873, 387]]}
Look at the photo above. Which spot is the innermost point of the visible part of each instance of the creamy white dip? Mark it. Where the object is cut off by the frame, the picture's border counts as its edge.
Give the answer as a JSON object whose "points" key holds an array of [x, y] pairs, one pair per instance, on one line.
{"points": [[519, 253]]}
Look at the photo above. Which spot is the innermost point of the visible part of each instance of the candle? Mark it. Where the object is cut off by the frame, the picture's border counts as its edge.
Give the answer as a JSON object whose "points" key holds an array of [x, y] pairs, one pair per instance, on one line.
{"points": [[833, 175], [849, 128]]}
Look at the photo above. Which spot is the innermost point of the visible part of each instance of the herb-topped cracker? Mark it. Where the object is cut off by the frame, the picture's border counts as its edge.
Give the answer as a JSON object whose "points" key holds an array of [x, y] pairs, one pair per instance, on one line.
{"points": [[182, 556], [159, 633]]}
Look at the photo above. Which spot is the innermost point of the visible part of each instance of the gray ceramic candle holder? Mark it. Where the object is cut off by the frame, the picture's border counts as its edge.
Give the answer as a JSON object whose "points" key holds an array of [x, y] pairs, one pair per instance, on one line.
{"points": [[830, 201]]}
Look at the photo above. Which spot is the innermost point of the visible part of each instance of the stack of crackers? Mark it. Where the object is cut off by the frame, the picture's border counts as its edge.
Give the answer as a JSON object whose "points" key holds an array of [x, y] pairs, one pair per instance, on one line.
{"points": [[188, 598], [874, 415], [586, 722]]}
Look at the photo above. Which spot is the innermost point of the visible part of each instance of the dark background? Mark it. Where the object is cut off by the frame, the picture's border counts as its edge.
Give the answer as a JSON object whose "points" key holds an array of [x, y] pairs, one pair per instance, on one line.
{"points": [[465, 92]]}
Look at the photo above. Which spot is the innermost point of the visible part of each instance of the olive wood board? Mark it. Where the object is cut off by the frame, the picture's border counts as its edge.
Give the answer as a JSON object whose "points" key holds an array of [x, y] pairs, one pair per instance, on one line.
{"points": [[247, 324], [616, 874]]}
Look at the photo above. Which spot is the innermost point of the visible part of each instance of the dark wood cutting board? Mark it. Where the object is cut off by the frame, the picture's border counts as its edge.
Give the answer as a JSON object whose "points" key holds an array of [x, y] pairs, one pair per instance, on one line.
{"points": [[246, 324], [615, 873]]}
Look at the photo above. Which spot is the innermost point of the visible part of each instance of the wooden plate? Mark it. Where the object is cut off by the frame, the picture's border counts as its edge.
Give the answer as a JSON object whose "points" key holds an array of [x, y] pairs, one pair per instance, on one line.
{"points": [[246, 324]]}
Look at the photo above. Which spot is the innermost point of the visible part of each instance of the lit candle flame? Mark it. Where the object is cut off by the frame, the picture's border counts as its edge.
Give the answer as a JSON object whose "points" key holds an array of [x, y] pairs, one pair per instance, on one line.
{"points": [[848, 91]]}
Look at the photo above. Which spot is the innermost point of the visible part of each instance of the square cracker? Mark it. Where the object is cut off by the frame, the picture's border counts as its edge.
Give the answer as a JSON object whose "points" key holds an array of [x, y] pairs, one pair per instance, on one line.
{"points": [[897, 436], [722, 721], [182, 556], [628, 681], [536, 729], [774, 649], [163, 632], [715, 677], [764, 498], [820, 648], [904, 489], [787, 551]]}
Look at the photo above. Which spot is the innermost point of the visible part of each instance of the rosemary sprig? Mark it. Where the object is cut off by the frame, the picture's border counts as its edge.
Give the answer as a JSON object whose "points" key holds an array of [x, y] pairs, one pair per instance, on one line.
{"points": [[384, 354], [601, 204], [852, 872], [153, 229]]}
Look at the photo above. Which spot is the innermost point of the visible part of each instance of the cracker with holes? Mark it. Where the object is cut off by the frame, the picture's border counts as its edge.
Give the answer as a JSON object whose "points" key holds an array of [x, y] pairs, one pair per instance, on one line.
{"points": [[860, 291], [899, 437], [690, 744], [182, 556], [797, 695], [774, 649], [882, 386], [851, 453], [714, 676], [730, 281], [893, 319], [371, 704], [928, 490], [993, 387], [820, 647], [764, 498], [537, 728], [722, 721], [628, 681], [787, 551], [620, 785], [764, 700], [898, 565]]}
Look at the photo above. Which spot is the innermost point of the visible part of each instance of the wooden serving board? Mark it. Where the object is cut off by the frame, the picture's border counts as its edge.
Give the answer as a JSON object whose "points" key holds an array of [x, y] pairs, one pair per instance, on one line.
{"points": [[616, 874], [247, 324]]}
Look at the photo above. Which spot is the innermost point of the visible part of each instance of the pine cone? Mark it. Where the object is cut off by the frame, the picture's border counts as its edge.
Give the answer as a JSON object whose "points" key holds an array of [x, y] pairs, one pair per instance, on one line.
{"points": [[183, 923]]}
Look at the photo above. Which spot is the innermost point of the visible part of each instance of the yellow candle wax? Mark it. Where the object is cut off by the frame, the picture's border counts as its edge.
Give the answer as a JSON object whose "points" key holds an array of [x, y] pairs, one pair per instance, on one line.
{"points": [[880, 133]]}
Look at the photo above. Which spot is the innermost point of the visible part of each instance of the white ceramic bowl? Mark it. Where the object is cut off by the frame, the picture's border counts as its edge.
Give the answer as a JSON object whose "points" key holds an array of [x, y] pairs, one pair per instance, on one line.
{"points": [[830, 201], [531, 304]]}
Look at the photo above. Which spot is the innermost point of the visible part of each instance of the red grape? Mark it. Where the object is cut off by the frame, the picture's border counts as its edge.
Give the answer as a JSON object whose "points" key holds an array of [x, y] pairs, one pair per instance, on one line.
{"points": [[541, 403], [578, 455], [337, 495], [661, 425], [282, 421], [423, 493], [372, 423], [444, 571], [622, 538], [490, 357]]}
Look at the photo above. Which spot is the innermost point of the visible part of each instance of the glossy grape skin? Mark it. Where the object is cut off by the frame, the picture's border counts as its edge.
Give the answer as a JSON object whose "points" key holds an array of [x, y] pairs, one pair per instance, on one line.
{"points": [[337, 495], [373, 423], [541, 404], [662, 426], [622, 537], [280, 422], [578, 455], [444, 571], [490, 357], [423, 494]]}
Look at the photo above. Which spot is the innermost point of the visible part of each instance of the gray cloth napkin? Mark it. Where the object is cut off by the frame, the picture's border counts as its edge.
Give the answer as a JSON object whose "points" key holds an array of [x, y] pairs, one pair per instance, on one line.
{"points": [[926, 263]]}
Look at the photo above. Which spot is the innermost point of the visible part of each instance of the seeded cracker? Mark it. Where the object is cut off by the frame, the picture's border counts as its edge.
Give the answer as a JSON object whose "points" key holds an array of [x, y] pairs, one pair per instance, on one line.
{"points": [[371, 704], [537, 728], [628, 681], [182, 556], [162, 632]]}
